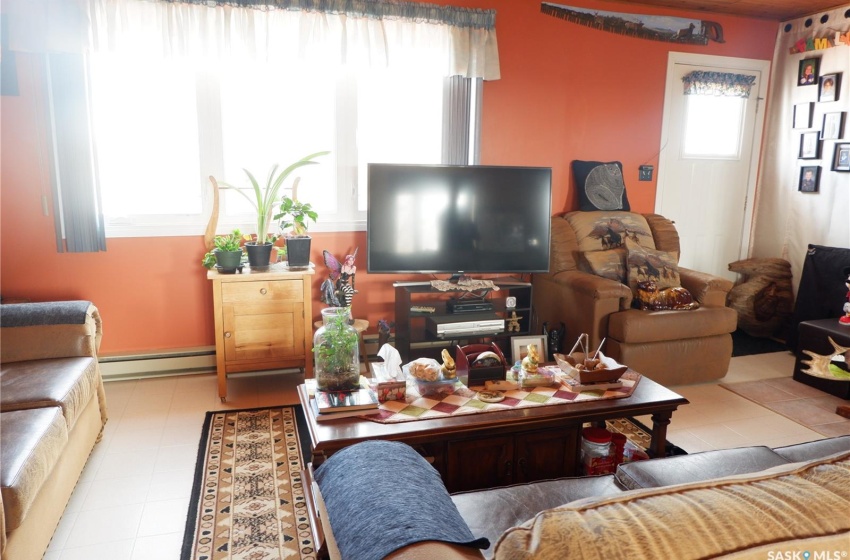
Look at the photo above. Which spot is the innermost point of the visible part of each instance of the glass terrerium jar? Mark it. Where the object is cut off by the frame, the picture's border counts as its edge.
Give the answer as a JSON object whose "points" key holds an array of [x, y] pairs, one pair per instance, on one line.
{"points": [[336, 353]]}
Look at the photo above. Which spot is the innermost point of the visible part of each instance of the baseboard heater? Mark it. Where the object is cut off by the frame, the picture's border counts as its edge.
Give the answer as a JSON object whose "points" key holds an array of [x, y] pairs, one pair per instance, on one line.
{"points": [[185, 361]]}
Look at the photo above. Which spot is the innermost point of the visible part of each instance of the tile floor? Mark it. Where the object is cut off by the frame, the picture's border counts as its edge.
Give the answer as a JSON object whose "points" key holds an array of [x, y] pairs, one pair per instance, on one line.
{"points": [[132, 498]]}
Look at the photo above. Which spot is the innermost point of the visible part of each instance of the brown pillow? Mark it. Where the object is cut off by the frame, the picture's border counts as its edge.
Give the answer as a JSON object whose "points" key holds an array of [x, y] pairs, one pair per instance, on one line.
{"points": [[608, 264], [601, 231], [648, 264]]}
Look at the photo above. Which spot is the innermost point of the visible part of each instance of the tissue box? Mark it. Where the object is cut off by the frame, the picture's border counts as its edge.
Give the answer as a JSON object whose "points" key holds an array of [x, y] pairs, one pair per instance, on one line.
{"points": [[387, 389]]}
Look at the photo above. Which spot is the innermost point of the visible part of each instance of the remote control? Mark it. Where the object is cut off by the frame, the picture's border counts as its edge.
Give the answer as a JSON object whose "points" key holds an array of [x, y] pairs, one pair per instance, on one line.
{"points": [[422, 309]]}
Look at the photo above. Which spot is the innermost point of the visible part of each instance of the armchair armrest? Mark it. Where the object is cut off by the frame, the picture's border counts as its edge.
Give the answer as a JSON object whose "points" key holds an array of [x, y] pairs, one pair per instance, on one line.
{"points": [[37, 331], [707, 289], [583, 301]]}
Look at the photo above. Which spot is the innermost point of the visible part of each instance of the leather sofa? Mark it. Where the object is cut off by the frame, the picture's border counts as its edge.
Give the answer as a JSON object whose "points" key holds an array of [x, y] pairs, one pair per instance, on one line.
{"points": [[52, 413], [736, 503], [670, 347]]}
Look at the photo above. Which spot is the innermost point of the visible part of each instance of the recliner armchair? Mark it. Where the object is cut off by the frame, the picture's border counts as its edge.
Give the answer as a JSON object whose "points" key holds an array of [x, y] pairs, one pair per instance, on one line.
{"points": [[670, 347]]}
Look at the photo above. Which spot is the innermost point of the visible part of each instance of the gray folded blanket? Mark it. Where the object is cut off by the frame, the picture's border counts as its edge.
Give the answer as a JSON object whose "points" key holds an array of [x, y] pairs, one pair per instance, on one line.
{"points": [[46, 313], [382, 496]]}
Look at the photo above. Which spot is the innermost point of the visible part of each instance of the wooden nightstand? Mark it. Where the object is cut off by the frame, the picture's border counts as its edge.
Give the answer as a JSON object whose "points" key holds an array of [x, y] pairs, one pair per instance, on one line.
{"points": [[262, 321]]}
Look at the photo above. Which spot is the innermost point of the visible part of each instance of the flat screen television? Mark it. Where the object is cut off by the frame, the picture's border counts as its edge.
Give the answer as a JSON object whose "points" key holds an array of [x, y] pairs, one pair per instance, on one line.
{"points": [[458, 219]]}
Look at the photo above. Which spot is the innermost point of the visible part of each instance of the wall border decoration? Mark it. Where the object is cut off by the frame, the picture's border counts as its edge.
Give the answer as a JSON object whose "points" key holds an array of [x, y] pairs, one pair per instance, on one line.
{"points": [[655, 28]]}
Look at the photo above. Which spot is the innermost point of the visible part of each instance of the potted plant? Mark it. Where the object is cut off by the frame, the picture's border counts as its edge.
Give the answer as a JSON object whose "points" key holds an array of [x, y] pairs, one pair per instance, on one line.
{"points": [[335, 348], [264, 199], [227, 254], [293, 217]]}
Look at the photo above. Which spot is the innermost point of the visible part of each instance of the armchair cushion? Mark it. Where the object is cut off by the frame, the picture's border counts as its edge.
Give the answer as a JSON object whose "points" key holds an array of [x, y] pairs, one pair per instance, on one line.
{"points": [[609, 264], [600, 231], [600, 185], [649, 264], [635, 326]]}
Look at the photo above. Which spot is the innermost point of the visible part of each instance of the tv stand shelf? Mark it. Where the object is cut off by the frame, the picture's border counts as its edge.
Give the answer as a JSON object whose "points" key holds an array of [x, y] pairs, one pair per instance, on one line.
{"points": [[412, 339]]}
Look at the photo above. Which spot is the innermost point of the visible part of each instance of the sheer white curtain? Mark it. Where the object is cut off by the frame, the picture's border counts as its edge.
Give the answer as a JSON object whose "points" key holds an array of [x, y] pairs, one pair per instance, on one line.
{"points": [[787, 220], [444, 39]]}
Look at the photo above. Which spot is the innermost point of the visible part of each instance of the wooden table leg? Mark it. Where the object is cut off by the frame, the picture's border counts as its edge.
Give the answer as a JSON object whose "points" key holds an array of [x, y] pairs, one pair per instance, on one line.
{"points": [[660, 421], [843, 410]]}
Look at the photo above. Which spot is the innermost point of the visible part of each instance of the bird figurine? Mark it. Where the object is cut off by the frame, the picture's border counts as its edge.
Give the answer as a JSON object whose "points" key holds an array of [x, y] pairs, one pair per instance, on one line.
{"points": [[338, 290]]}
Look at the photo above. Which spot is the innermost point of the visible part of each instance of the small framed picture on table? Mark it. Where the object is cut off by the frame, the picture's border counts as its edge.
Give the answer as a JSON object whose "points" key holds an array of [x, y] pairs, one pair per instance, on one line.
{"points": [[809, 145], [519, 347], [809, 176], [841, 159]]}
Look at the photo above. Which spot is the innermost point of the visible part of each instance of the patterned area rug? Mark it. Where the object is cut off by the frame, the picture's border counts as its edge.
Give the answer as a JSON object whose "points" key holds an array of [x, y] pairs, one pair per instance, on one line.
{"points": [[639, 435], [247, 499]]}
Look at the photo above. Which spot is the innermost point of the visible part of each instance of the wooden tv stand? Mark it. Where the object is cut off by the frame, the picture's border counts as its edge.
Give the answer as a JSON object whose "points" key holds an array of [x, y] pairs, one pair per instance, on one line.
{"points": [[499, 448]]}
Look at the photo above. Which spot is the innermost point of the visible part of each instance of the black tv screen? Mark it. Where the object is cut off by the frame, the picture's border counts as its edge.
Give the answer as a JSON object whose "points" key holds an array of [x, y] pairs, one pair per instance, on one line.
{"points": [[458, 219]]}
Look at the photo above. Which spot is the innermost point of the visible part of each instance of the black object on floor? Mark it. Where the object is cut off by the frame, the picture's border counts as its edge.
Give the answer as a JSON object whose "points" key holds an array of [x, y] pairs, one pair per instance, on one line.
{"points": [[746, 345]]}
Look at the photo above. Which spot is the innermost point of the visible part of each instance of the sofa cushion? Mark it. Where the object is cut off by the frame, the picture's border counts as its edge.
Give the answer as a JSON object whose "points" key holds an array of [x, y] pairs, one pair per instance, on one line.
{"points": [[700, 520], [600, 185], [696, 467], [68, 383], [813, 449], [490, 513], [32, 442], [600, 231], [633, 326]]}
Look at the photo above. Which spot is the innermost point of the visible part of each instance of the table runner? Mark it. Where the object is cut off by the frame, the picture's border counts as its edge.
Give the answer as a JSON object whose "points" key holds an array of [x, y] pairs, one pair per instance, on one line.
{"points": [[463, 401]]}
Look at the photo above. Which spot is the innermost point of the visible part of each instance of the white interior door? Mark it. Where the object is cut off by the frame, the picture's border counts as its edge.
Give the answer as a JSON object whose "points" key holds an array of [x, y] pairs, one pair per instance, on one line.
{"points": [[708, 162]]}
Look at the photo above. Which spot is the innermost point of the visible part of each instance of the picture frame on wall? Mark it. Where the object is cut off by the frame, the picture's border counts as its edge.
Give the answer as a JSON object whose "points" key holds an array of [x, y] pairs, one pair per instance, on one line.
{"points": [[803, 113], [808, 72], [833, 126], [841, 158], [828, 86], [809, 178], [810, 145], [519, 347]]}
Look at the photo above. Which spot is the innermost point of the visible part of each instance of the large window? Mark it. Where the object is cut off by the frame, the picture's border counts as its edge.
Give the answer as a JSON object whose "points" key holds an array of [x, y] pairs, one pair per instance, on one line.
{"points": [[162, 126]]}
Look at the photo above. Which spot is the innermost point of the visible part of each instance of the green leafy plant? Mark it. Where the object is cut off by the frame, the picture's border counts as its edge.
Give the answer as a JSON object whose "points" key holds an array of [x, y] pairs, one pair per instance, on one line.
{"points": [[293, 215], [333, 353], [265, 198], [229, 242]]}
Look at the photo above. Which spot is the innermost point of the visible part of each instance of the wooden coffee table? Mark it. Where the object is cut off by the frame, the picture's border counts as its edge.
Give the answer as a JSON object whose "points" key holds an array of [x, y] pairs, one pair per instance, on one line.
{"points": [[499, 448]]}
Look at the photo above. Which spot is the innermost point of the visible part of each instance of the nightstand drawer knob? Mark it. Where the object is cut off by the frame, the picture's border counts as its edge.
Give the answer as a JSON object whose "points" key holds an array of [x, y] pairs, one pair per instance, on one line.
{"points": [[227, 335], [263, 291]]}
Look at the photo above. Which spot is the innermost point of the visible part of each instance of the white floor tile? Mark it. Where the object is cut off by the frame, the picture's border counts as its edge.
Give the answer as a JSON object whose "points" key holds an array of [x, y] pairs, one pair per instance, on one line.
{"points": [[132, 498]]}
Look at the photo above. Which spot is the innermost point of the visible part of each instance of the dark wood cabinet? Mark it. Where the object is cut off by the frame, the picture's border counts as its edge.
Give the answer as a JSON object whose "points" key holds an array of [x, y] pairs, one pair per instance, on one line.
{"points": [[412, 338], [509, 459]]}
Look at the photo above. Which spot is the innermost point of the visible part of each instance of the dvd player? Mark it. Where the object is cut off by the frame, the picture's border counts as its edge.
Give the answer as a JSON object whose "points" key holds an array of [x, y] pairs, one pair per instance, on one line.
{"points": [[469, 323], [461, 306]]}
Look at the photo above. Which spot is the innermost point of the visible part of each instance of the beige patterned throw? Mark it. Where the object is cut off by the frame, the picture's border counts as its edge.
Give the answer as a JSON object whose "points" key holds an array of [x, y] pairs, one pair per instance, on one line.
{"points": [[251, 504]]}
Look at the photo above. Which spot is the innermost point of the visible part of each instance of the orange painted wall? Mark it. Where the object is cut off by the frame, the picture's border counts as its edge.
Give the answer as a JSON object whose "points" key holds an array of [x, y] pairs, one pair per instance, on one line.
{"points": [[567, 92]]}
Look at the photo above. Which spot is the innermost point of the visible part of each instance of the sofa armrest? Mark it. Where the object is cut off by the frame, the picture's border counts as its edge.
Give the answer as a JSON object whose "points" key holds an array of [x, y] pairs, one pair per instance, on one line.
{"points": [[38, 331], [707, 289]]}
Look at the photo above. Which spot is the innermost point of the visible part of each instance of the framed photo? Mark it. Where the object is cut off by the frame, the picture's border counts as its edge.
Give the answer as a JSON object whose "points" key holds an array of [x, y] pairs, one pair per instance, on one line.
{"points": [[809, 177], [833, 126], [841, 159], [808, 73], [519, 347], [828, 87], [810, 145], [803, 115]]}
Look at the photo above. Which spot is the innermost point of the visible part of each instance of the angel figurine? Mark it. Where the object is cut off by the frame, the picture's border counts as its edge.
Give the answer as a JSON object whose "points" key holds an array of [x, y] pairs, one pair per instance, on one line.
{"points": [[338, 290]]}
